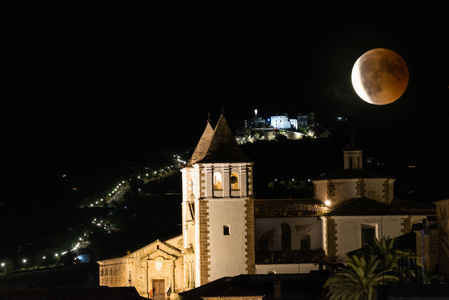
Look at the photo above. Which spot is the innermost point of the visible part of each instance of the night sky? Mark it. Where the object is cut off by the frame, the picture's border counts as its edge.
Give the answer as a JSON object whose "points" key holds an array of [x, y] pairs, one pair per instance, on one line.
{"points": [[112, 81]]}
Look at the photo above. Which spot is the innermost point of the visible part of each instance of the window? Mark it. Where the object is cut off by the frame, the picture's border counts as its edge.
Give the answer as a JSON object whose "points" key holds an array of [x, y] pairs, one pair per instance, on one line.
{"points": [[191, 211], [286, 237], [368, 233], [226, 230], [305, 242], [190, 187], [234, 181], [217, 181]]}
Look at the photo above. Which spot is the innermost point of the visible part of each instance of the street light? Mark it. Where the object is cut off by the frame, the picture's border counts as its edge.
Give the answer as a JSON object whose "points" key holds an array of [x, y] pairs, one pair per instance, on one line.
{"points": [[4, 266]]}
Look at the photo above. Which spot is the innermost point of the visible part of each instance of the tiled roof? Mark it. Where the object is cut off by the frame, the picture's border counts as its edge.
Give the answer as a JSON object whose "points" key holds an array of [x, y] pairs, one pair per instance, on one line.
{"points": [[285, 208], [69, 293], [291, 286], [203, 145], [352, 174], [278, 208], [368, 207]]}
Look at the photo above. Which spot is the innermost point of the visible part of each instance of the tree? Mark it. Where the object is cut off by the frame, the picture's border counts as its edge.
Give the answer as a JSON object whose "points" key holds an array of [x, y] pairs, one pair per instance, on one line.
{"points": [[391, 257], [356, 281], [386, 251]]}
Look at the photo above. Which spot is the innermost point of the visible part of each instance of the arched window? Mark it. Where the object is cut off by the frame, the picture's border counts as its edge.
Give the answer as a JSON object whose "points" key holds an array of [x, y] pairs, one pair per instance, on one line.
{"points": [[234, 181], [217, 181]]}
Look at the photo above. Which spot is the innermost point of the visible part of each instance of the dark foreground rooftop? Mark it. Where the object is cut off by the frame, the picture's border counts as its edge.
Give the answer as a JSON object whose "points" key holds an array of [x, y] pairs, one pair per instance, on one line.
{"points": [[279, 286], [70, 293]]}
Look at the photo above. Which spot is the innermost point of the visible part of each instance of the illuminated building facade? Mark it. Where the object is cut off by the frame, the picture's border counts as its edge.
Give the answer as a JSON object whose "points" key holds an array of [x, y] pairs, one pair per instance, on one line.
{"points": [[226, 232], [218, 207]]}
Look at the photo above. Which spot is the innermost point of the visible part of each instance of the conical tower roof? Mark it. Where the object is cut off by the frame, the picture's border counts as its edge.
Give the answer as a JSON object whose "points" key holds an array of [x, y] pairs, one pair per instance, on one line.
{"points": [[223, 147], [203, 146]]}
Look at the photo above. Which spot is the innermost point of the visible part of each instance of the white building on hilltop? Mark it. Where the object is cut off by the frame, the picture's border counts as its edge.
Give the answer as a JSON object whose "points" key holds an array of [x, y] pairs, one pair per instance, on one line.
{"points": [[226, 232], [283, 122]]}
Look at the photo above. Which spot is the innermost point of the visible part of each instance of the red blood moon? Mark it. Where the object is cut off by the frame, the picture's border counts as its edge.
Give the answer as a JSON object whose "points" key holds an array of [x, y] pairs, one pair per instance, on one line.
{"points": [[380, 76]]}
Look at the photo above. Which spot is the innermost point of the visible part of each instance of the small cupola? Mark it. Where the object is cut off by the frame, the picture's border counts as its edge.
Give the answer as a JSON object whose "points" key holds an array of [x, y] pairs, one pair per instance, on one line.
{"points": [[352, 157]]}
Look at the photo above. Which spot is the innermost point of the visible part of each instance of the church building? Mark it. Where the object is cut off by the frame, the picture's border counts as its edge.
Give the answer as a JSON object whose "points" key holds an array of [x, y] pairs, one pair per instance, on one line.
{"points": [[226, 232]]}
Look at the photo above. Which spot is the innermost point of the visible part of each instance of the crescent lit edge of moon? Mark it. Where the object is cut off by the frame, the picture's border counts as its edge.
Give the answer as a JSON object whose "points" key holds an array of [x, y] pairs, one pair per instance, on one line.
{"points": [[356, 79]]}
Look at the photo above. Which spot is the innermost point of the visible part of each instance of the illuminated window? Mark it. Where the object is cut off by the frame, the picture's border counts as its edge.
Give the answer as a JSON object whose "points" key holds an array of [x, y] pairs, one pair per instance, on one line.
{"points": [[234, 181], [226, 230], [217, 181], [190, 187]]}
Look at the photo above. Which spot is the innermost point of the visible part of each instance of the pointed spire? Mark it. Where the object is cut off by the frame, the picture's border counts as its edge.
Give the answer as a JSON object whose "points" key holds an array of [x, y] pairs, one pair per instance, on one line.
{"points": [[223, 147], [203, 145]]}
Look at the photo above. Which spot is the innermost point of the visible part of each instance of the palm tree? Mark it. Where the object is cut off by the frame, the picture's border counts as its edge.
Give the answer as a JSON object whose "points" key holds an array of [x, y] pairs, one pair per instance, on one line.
{"points": [[386, 250], [356, 281]]}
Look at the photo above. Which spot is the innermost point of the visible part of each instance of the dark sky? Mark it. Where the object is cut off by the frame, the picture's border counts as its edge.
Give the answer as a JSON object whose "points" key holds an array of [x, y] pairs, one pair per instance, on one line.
{"points": [[110, 79]]}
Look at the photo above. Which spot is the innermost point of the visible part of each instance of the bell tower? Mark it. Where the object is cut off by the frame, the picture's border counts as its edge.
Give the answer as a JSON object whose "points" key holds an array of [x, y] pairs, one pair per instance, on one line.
{"points": [[352, 158], [218, 207]]}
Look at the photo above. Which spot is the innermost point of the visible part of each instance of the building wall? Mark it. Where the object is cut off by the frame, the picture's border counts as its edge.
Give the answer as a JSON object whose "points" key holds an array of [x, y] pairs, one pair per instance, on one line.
{"points": [[227, 252], [220, 202], [286, 268], [158, 260], [427, 248], [270, 228], [348, 230], [344, 189], [280, 122], [443, 236], [340, 190]]}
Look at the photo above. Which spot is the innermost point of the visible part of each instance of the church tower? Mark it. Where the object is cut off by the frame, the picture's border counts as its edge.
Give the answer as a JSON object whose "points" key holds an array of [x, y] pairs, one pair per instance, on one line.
{"points": [[352, 157], [217, 208]]}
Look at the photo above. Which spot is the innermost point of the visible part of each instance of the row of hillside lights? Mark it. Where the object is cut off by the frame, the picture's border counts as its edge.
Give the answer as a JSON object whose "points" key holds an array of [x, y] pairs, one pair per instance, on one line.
{"points": [[24, 261], [110, 194], [116, 188]]}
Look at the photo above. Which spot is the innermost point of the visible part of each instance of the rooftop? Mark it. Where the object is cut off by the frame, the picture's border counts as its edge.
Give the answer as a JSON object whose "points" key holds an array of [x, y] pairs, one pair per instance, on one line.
{"points": [[367, 207], [281, 208], [351, 174], [217, 146]]}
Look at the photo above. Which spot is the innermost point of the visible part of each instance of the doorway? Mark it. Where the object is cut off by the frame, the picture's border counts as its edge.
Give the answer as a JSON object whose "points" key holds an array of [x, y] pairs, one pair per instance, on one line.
{"points": [[158, 289]]}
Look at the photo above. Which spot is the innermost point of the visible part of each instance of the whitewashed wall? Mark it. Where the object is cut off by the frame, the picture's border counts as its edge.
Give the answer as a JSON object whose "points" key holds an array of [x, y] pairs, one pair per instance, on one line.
{"points": [[299, 227]]}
